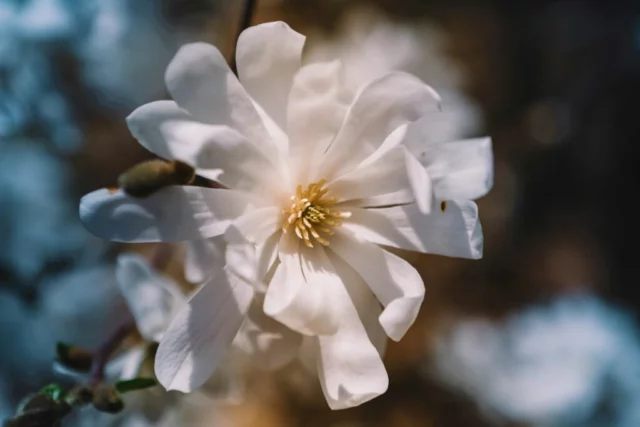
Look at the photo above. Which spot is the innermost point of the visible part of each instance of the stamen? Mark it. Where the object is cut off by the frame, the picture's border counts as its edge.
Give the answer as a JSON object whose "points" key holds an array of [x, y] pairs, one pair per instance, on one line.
{"points": [[311, 215]]}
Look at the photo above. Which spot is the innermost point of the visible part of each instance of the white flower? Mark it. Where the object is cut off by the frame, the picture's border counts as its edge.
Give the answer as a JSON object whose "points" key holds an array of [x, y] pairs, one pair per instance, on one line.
{"points": [[549, 365], [154, 299], [371, 45], [316, 183]]}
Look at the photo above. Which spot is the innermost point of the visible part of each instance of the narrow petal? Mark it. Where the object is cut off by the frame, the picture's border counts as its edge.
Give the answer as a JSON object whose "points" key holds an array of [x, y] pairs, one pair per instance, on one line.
{"points": [[258, 225], [318, 103], [298, 295], [251, 260], [269, 343], [171, 214], [268, 57], [152, 298], [216, 152], [460, 170], [395, 282], [200, 81], [380, 108], [395, 177], [364, 300], [451, 229], [202, 258], [267, 255], [126, 365], [420, 182], [200, 335], [350, 369]]}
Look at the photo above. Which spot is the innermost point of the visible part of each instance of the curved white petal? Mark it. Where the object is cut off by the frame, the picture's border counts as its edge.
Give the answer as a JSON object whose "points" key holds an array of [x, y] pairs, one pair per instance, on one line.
{"points": [[200, 335], [202, 258], [251, 260], [216, 152], [127, 364], [452, 228], [364, 300], [380, 108], [267, 255], [395, 177], [171, 214], [298, 295], [318, 103], [152, 298], [350, 369], [258, 225], [269, 343], [460, 170], [395, 282], [268, 56], [200, 81]]}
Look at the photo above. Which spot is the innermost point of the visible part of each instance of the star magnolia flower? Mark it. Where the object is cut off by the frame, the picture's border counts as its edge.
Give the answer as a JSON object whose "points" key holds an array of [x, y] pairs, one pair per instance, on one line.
{"points": [[315, 184], [154, 299]]}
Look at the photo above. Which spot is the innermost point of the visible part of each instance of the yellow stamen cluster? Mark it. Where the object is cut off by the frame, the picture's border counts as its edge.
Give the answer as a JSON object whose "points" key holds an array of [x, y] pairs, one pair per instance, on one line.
{"points": [[310, 214]]}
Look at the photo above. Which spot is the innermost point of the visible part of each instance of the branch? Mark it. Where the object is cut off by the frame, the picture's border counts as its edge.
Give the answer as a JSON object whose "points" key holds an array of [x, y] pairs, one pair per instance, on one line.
{"points": [[102, 354]]}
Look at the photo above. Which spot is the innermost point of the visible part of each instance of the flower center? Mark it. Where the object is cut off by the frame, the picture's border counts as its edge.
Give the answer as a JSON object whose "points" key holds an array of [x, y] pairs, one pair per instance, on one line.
{"points": [[310, 214]]}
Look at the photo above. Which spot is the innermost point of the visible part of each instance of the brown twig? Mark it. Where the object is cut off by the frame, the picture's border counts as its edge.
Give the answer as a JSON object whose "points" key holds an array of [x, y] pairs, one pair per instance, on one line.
{"points": [[113, 341]]}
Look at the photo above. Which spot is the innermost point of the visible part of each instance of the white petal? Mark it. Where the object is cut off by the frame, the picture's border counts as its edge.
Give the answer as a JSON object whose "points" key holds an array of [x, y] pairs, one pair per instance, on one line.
{"points": [[200, 335], [126, 365], [350, 369], [380, 108], [217, 152], [202, 258], [171, 214], [200, 81], [454, 232], [460, 170], [298, 293], [420, 183], [267, 255], [269, 343], [251, 260], [395, 282], [268, 56], [152, 298], [318, 103], [258, 225], [364, 300], [395, 177]]}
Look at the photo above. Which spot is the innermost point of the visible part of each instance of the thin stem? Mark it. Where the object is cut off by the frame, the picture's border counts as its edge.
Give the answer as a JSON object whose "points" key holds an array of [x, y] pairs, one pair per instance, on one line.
{"points": [[245, 21], [102, 354]]}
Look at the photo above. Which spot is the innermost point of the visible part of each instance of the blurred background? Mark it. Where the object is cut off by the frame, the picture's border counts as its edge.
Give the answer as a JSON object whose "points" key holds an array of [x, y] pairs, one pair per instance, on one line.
{"points": [[542, 332]]}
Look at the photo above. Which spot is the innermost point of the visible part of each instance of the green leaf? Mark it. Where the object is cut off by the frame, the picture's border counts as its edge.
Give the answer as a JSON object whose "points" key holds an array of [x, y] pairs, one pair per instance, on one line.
{"points": [[54, 391], [135, 384]]}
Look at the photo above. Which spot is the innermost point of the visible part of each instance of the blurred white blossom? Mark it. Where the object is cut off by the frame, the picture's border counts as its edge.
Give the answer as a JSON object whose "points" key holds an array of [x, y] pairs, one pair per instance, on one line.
{"points": [[125, 48], [37, 222], [30, 96], [370, 45], [314, 185], [554, 365], [153, 299], [70, 307]]}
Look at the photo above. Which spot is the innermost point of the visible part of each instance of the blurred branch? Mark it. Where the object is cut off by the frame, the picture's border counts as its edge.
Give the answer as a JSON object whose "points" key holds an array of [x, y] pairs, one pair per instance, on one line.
{"points": [[102, 354]]}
